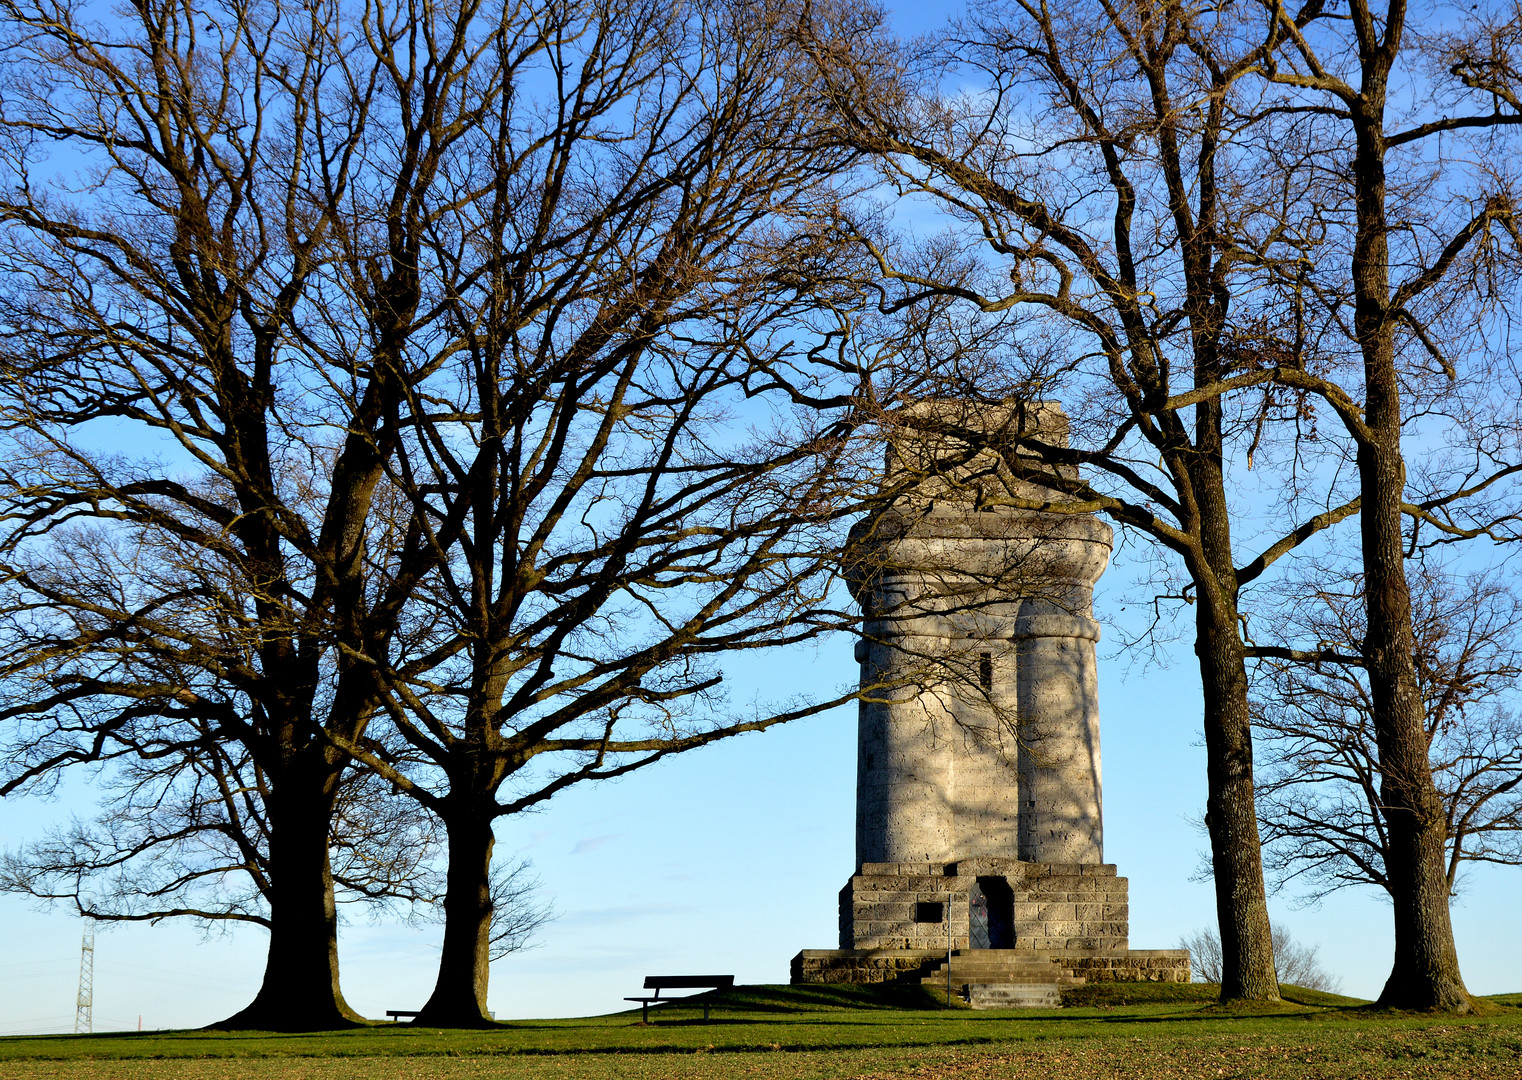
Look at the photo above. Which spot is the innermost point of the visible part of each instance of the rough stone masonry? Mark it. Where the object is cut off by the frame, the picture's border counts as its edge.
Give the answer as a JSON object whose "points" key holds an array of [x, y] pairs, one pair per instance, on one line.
{"points": [[979, 808]]}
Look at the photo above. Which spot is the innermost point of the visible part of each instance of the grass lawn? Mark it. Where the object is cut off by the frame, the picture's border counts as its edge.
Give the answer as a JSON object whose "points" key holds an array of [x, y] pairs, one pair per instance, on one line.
{"points": [[828, 1032]]}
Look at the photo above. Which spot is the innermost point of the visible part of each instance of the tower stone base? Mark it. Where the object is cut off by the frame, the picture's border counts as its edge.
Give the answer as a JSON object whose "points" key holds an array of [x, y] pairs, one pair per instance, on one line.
{"points": [[1002, 922], [1054, 905]]}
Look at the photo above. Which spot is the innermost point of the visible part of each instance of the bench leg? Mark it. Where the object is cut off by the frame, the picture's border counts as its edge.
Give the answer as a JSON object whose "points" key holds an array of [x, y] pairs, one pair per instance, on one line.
{"points": [[705, 1012], [644, 1012]]}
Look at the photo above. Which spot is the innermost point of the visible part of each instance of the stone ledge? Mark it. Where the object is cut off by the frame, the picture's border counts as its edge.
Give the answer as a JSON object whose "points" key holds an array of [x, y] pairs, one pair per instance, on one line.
{"points": [[863, 966], [860, 966], [891, 869], [869, 954], [1140, 965]]}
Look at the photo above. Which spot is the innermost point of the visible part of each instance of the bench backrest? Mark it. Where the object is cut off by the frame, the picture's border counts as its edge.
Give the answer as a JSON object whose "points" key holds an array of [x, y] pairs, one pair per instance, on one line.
{"points": [[688, 982]]}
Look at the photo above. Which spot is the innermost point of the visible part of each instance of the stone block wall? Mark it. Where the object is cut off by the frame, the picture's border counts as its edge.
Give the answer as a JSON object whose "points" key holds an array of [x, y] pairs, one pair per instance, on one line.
{"points": [[1135, 965], [907, 966], [1071, 919], [1056, 905], [861, 966], [1072, 906], [877, 907]]}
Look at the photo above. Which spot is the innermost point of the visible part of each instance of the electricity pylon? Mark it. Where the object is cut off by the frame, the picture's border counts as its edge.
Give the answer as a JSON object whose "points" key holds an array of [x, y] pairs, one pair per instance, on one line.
{"points": [[84, 1022]]}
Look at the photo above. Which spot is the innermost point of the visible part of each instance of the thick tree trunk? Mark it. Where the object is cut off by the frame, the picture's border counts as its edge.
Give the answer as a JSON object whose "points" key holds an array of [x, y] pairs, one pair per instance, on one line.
{"points": [[1231, 812], [300, 991], [1247, 954], [459, 995], [1425, 974]]}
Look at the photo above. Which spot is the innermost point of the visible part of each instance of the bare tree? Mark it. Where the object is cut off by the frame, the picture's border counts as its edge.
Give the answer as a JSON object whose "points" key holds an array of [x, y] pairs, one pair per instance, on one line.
{"points": [[1323, 812], [1295, 964], [1204, 955], [517, 912], [185, 835], [618, 486], [1112, 231], [473, 361], [1419, 251], [228, 555]]}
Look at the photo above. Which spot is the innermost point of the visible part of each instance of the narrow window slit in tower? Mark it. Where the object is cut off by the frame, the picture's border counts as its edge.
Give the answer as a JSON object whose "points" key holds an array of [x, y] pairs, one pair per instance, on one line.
{"points": [[986, 670]]}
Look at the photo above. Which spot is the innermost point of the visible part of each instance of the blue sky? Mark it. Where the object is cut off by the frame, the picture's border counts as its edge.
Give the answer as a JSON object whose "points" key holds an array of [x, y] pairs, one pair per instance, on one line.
{"points": [[727, 861]]}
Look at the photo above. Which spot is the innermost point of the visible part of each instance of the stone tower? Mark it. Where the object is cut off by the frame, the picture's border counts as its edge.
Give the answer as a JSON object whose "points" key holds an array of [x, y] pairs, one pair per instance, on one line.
{"points": [[978, 624], [979, 810]]}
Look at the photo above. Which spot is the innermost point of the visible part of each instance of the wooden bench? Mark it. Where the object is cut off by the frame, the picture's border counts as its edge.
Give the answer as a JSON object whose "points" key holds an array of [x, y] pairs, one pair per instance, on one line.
{"points": [[397, 1014], [679, 982]]}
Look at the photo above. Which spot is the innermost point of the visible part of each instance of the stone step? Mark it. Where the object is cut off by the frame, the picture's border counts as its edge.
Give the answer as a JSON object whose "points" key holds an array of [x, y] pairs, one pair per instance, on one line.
{"points": [[1034, 969], [1007, 996], [1005, 977], [1042, 964], [997, 973], [983, 970], [1000, 958], [1000, 980]]}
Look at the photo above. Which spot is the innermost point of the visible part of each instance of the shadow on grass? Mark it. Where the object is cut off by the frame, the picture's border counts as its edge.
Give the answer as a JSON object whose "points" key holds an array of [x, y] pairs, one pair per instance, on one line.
{"points": [[825, 998], [757, 1019]]}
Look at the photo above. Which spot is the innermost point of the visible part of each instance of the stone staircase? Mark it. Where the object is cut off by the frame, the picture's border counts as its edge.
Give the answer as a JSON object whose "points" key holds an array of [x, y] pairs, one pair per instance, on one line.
{"points": [[1004, 978]]}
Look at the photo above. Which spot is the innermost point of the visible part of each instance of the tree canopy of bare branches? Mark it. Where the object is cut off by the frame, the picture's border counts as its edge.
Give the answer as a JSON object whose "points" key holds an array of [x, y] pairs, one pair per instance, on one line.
{"points": [[1296, 964], [1110, 237], [432, 387], [1323, 815], [1417, 256], [1210, 227]]}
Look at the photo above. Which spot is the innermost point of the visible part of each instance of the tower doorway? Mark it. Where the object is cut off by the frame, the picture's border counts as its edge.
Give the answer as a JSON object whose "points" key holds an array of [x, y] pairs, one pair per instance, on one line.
{"points": [[991, 911]]}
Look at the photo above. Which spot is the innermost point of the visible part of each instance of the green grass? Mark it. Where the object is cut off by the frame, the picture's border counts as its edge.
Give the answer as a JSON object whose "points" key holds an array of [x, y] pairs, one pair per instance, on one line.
{"points": [[1301, 995], [1099, 995], [831, 1032]]}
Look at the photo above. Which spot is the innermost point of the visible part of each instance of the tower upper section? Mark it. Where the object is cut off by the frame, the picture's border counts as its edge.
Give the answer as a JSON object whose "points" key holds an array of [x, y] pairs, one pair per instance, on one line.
{"points": [[979, 734]]}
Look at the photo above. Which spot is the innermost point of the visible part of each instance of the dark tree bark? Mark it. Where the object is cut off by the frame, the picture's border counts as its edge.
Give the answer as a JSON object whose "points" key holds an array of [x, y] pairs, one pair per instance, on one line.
{"points": [[1167, 345], [1231, 808], [300, 988], [1425, 974], [459, 995], [1468, 84], [240, 285]]}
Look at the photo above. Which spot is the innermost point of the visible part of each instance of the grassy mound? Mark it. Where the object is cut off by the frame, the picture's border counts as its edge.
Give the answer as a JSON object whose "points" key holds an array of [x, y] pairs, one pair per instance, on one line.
{"points": [[1301, 995], [833, 1032], [816, 997], [1104, 995]]}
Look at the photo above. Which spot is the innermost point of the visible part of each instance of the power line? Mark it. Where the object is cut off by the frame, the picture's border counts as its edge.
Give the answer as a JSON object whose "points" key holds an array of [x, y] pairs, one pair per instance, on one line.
{"points": [[84, 1004], [35, 1025], [178, 976]]}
